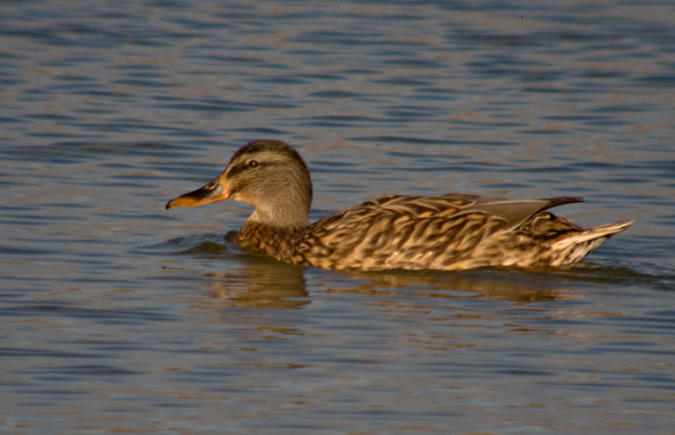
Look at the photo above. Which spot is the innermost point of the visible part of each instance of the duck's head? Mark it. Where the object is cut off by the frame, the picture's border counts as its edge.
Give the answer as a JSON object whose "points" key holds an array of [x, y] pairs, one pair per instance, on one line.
{"points": [[269, 175]]}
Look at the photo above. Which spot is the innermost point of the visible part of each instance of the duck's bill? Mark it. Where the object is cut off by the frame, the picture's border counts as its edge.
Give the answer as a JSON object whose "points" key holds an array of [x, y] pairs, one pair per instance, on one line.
{"points": [[210, 193]]}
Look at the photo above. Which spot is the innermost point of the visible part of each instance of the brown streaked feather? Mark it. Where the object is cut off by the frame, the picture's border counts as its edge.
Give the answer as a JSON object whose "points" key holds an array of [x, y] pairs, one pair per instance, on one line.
{"points": [[416, 232]]}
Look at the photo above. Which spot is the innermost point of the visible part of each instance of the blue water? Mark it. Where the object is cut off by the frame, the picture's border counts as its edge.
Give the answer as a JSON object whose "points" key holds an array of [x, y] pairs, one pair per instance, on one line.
{"points": [[120, 316]]}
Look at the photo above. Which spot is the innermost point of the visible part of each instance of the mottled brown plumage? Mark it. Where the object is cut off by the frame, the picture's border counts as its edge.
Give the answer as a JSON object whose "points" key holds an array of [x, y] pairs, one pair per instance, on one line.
{"points": [[450, 232]]}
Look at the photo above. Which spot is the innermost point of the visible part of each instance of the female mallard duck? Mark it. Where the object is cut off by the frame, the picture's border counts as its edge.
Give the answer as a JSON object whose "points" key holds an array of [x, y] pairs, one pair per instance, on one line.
{"points": [[450, 232]]}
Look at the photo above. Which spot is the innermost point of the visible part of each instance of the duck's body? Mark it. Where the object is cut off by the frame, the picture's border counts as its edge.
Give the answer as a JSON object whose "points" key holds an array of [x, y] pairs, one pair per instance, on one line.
{"points": [[450, 232]]}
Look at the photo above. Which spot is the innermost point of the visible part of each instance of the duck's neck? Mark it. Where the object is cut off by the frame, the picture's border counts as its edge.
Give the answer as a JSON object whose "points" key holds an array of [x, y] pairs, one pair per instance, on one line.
{"points": [[280, 217]]}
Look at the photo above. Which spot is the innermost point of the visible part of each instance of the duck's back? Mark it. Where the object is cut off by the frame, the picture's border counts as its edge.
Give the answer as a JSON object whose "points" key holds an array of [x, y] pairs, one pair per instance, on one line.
{"points": [[451, 232]]}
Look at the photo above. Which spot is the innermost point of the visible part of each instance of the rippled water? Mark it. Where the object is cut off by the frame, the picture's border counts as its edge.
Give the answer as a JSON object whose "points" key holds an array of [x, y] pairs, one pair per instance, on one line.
{"points": [[119, 316]]}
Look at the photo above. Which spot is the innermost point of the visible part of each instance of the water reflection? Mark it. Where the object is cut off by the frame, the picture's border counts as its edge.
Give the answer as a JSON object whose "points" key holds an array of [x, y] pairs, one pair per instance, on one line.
{"points": [[257, 282], [510, 285], [261, 283], [249, 281]]}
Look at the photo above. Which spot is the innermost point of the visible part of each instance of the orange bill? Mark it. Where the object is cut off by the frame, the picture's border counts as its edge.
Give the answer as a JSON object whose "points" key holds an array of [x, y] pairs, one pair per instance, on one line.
{"points": [[212, 192]]}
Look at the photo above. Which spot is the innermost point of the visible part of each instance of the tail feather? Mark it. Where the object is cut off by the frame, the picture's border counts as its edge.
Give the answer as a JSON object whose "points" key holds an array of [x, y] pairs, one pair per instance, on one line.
{"points": [[574, 247]]}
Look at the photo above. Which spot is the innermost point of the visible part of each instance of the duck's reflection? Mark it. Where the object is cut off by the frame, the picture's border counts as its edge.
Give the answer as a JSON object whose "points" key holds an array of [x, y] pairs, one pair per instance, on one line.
{"points": [[498, 284], [264, 283], [261, 283]]}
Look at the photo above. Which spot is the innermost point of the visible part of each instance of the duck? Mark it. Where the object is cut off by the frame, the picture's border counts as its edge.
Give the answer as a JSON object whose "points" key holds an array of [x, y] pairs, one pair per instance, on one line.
{"points": [[449, 232]]}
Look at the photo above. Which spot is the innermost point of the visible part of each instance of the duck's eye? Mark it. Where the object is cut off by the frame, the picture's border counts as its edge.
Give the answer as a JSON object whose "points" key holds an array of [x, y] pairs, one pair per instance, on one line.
{"points": [[252, 163]]}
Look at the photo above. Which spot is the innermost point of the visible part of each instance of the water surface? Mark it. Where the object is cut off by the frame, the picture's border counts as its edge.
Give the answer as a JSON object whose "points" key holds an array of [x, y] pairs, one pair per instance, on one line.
{"points": [[121, 316]]}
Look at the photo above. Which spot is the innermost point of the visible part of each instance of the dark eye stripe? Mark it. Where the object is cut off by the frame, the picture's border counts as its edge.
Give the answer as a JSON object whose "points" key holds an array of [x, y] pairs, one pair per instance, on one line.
{"points": [[238, 169]]}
